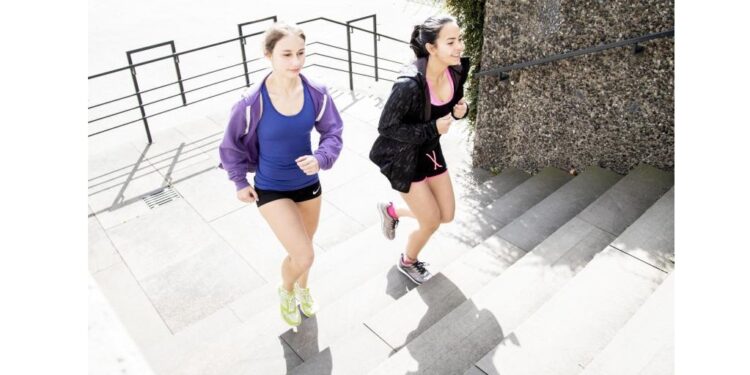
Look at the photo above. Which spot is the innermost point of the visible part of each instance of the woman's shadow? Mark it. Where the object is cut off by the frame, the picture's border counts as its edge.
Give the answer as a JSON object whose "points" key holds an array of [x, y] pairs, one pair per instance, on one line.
{"points": [[320, 363], [442, 297]]}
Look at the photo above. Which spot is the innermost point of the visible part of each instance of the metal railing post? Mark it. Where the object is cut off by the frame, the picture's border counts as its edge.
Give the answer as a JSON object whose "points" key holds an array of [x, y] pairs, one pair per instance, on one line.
{"points": [[140, 100], [243, 42], [375, 39], [349, 31], [179, 75]]}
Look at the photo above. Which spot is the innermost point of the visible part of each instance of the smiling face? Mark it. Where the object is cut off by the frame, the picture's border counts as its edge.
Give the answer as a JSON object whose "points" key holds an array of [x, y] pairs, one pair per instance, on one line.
{"points": [[287, 56], [448, 46]]}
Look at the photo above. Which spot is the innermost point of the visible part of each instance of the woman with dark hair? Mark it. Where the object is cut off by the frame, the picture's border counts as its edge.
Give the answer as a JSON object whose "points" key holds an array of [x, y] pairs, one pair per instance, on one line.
{"points": [[269, 134], [424, 101]]}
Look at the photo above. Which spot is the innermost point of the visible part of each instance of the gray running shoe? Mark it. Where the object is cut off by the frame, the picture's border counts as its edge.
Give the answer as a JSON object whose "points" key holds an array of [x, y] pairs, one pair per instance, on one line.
{"points": [[389, 224], [416, 272]]}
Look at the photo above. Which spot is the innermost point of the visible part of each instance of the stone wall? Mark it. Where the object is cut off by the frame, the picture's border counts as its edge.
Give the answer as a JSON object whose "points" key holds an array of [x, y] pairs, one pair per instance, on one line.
{"points": [[614, 108]]}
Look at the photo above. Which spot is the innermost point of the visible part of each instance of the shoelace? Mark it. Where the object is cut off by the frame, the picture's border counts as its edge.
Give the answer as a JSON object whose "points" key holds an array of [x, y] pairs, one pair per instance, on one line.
{"points": [[291, 304], [306, 297], [420, 266]]}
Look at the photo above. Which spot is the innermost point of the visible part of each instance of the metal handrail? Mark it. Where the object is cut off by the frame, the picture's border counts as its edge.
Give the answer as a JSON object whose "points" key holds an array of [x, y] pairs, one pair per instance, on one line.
{"points": [[356, 52], [584, 51], [177, 54], [173, 83], [180, 81]]}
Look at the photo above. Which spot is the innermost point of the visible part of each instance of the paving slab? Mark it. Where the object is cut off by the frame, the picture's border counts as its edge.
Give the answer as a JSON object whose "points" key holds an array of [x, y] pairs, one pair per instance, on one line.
{"points": [[117, 182], [249, 235], [111, 350], [250, 348], [132, 305], [169, 234], [102, 253], [359, 136], [207, 189], [164, 354], [336, 228], [349, 167], [199, 285], [358, 198]]}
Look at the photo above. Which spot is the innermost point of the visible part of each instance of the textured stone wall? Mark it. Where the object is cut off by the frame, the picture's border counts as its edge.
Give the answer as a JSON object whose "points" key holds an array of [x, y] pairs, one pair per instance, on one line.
{"points": [[614, 108]]}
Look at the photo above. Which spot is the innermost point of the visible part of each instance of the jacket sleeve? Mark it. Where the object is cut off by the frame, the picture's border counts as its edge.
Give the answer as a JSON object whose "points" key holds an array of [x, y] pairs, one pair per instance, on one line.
{"points": [[234, 158], [330, 126], [396, 109]]}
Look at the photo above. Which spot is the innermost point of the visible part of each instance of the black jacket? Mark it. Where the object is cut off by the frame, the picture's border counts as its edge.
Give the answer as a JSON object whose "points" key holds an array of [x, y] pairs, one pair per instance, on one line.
{"points": [[405, 122]]}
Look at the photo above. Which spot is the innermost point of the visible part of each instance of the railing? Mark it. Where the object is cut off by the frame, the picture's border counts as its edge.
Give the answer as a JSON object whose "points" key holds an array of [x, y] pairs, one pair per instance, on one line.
{"points": [[247, 71], [503, 75]]}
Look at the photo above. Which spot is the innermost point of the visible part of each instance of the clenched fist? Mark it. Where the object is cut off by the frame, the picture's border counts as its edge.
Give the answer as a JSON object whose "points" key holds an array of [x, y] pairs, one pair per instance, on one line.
{"points": [[308, 164], [459, 110]]}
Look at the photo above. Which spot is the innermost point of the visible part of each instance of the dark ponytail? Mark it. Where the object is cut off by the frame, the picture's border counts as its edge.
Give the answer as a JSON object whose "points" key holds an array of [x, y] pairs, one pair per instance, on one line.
{"points": [[427, 32]]}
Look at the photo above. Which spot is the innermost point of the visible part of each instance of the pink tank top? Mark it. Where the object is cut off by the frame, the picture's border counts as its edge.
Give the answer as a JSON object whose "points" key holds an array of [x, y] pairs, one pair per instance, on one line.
{"points": [[433, 97]]}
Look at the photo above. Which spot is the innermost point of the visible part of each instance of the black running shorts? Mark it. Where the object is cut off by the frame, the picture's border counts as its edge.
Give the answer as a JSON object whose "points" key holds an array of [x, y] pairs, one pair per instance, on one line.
{"points": [[299, 195]]}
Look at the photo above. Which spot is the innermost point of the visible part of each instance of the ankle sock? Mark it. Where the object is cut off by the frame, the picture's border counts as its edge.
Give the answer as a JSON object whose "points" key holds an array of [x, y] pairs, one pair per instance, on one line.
{"points": [[406, 261], [392, 211]]}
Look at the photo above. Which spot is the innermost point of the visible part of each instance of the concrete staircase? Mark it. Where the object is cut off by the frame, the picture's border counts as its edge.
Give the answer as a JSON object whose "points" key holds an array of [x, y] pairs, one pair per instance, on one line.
{"points": [[543, 274], [544, 277]]}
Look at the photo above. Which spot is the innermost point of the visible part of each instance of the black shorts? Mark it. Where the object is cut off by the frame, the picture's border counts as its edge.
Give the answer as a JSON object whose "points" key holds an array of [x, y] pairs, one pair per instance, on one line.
{"points": [[430, 162], [300, 195]]}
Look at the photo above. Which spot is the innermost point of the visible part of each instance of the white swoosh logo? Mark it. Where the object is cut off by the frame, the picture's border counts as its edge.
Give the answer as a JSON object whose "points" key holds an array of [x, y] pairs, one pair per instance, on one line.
{"points": [[316, 190]]}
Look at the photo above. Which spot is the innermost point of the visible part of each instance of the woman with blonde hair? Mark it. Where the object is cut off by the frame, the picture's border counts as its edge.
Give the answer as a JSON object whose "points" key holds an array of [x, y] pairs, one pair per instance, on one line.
{"points": [[269, 134]]}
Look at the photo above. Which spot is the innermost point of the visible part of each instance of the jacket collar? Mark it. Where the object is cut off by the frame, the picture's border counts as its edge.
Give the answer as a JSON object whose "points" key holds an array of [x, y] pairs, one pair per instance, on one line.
{"points": [[252, 94], [418, 68]]}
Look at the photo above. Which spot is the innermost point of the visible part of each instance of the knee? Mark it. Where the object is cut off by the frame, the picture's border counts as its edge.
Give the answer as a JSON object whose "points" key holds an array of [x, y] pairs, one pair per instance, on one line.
{"points": [[304, 261], [430, 226], [446, 218]]}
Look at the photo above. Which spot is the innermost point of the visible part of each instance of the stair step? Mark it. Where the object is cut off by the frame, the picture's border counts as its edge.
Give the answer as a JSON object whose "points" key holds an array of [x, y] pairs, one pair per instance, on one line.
{"points": [[629, 199], [489, 190], [415, 312], [644, 336], [267, 353], [351, 310], [652, 240], [591, 309], [540, 221], [662, 363], [463, 336], [344, 308], [473, 227]]}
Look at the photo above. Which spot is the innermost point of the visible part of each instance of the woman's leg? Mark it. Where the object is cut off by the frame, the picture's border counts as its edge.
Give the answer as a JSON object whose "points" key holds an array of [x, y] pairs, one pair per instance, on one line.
{"points": [[310, 212], [284, 218], [442, 190], [424, 207]]}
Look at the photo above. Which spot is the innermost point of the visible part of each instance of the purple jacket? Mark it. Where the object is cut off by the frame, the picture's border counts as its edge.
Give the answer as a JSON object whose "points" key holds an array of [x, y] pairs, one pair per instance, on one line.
{"points": [[239, 149]]}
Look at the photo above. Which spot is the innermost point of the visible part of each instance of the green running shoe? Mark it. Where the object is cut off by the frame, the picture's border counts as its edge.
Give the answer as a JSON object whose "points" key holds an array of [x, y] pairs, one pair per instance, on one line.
{"points": [[289, 311], [306, 303]]}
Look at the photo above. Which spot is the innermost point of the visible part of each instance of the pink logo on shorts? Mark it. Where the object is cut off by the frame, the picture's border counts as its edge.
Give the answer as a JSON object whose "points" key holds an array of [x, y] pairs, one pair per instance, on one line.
{"points": [[433, 158]]}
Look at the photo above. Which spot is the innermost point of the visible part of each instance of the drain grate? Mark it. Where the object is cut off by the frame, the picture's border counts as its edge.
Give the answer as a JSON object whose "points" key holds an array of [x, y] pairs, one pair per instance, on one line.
{"points": [[161, 198]]}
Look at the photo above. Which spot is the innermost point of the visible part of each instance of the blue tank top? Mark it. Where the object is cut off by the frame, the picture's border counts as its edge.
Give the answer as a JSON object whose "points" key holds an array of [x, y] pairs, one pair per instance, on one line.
{"points": [[282, 139]]}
